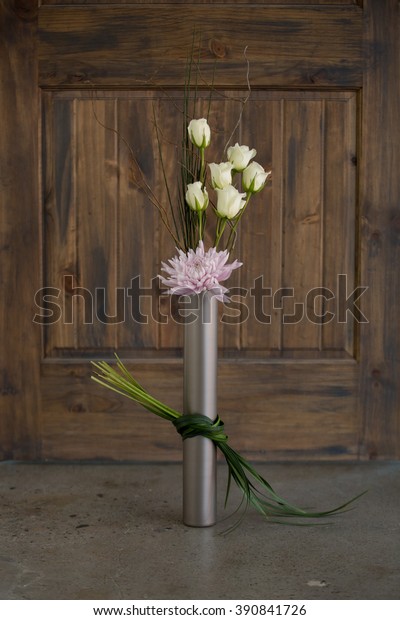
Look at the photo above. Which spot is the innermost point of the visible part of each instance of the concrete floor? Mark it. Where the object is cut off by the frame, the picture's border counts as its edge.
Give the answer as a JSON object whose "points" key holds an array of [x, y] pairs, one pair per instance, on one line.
{"points": [[115, 532]]}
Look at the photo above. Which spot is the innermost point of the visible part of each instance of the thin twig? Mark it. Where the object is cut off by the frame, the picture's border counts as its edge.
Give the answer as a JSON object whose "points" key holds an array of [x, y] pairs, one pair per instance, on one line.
{"points": [[139, 178], [244, 101]]}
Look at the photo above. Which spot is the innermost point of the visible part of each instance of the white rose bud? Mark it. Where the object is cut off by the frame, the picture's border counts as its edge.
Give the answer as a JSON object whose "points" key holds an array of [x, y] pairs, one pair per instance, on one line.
{"points": [[196, 196], [199, 132], [254, 177], [240, 156], [230, 202], [221, 174]]}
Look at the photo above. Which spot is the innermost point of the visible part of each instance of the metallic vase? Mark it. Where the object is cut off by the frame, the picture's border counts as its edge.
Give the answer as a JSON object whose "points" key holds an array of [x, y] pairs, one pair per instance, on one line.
{"points": [[200, 358]]}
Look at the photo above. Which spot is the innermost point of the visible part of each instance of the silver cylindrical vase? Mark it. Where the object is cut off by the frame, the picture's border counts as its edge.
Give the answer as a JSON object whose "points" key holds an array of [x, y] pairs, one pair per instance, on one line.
{"points": [[200, 358]]}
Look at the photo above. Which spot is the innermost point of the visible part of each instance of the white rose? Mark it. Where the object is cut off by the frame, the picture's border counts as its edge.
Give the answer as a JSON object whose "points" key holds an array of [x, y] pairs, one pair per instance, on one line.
{"points": [[221, 174], [230, 202], [240, 156], [254, 177], [199, 132], [196, 196]]}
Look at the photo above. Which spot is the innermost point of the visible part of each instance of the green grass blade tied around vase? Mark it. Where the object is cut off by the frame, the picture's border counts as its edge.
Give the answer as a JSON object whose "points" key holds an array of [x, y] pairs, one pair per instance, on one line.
{"points": [[257, 492]]}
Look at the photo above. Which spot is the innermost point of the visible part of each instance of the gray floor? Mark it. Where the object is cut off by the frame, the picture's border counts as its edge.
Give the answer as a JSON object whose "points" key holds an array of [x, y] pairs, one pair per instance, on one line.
{"points": [[115, 532]]}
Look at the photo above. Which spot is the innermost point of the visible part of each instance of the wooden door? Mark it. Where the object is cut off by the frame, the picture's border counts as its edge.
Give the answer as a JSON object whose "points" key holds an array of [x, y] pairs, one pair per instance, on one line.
{"points": [[310, 369]]}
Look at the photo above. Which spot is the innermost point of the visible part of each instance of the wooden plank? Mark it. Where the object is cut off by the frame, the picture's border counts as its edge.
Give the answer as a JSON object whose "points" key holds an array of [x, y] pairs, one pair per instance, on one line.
{"points": [[292, 410], [96, 192], [80, 210], [100, 425], [144, 46], [20, 233], [138, 224], [380, 230], [260, 240], [338, 208], [339, 218], [301, 411], [60, 218], [169, 119], [302, 213]]}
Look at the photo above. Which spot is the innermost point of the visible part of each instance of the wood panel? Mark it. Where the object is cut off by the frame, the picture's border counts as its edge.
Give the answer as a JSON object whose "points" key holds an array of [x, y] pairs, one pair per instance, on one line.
{"points": [[103, 232], [144, 46], [96, 189], [138, 229], [260, 234], [59, 222], [339, 191], [80, 223], [280, 414], [79, 421], [301, 251], [380, 233], [310, 236], [19, 235]]}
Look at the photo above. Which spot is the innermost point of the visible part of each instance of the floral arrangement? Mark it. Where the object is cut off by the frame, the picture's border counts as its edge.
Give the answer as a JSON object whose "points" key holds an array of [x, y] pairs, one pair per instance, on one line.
{"points": [[208, 201], [195, 270]]}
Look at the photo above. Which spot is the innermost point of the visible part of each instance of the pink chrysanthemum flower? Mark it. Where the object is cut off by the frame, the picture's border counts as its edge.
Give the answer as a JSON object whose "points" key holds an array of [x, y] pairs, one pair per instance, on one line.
{"points": [[197, 271]]}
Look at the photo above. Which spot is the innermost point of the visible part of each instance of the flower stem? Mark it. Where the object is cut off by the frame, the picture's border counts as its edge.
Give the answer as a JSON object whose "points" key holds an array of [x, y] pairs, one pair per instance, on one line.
{"points": [[221, 223], [232, 236], [200, 215], [203, 166]]}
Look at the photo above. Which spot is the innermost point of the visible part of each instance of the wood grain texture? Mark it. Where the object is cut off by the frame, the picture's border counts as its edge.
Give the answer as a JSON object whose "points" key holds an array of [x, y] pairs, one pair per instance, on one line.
{"points": [[340, 221], [20, 349], [323, 112], [103, 232], [59, 220], [302, 214], [144, 46], [301, 412], [380, 233], [260, 234], [138, 224], [96, 191]]}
